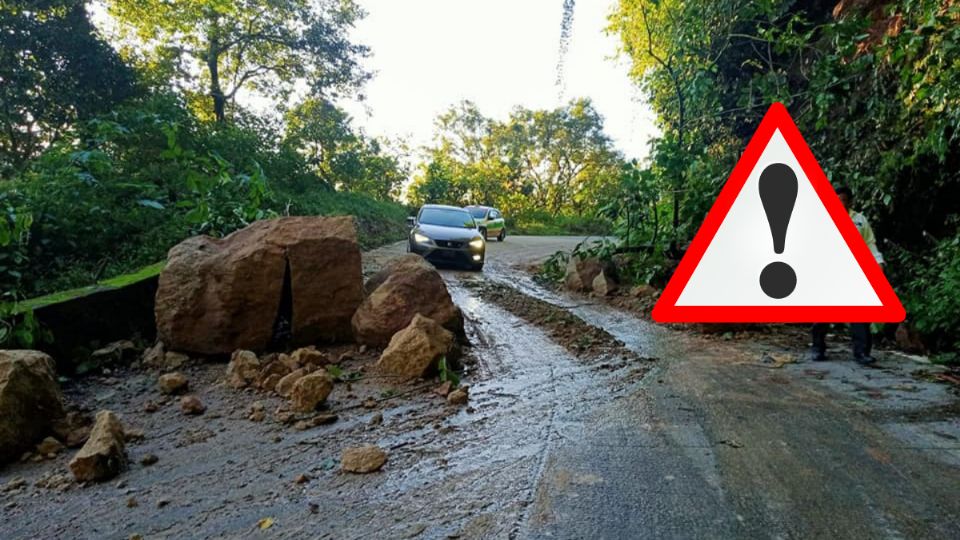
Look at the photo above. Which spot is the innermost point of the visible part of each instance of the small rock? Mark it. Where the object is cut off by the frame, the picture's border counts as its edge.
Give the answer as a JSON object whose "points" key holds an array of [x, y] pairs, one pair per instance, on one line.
{"points": [[149, 459], [310, 356], [153, 357], [643, 291], [415, 350], [163, 502], [50, 446], [444, 389], [370, 403], [285, 385], [174, 360], [458, 397], [363, 459], [315, 421], [132, 502], [14, 484], [603, 284], [173, 383], [362, 349], [191, 405], [151, 407], [118, 351], [376, 419], [133, 434], [301, 479], [344, 358], [243, 369], [257, 412], [284, 417], [310, 391], [103, 456]]}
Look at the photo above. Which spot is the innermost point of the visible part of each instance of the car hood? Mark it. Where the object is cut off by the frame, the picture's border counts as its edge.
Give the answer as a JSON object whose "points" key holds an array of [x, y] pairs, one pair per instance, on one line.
{"points": [[439, 232]]}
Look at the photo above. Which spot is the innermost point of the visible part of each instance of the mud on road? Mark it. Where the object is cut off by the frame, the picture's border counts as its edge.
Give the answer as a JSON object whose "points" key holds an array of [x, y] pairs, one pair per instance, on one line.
{"points": [[571, 431]]}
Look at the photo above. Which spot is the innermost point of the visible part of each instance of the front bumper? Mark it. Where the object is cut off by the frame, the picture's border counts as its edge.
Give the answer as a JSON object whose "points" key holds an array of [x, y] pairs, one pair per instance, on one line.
{"points": [[462, 254]]}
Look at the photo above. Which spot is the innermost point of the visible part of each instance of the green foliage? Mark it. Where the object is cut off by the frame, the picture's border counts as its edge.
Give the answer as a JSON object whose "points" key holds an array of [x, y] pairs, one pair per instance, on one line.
{"points": [[447, 374], [54, 70], [554, 269], [127, 186], [874, 91], [260, 46], [537, 167]]}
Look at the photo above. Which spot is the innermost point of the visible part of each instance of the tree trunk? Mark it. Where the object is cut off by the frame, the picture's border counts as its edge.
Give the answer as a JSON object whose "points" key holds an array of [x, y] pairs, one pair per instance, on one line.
{"points": [[216, 93]]}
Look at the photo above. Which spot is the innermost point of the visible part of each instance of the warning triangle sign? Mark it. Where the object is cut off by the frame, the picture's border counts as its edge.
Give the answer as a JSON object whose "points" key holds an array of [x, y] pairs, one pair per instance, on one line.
{"points": [[778, 246]]}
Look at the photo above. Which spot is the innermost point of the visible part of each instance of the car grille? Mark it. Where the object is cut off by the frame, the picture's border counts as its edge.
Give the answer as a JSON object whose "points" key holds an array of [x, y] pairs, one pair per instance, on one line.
{"points": [[449, 244]]}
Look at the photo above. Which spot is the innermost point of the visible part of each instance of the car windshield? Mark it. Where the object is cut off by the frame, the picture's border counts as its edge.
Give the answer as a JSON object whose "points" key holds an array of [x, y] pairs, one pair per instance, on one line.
{"points": [[478, 213], [447, 218]]}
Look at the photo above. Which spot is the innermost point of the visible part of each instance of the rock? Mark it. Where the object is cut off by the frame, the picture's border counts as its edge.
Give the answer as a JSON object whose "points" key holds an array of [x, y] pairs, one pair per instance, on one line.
{"points": [[14, 484], [362, 349], [149, 459], [409, 286], [310, 391], [191, 405], [285, 385], [909, 339], [643, 291], [603, 284], [132, 502], [116, 352], [243, 369], [103, 456], [50, 446], [173, 360], [30, 400], [257, 412], [314, 421], [272, 371], [310, 357], [444, 389], [362, 459], [173, 383], [154, 356], [219, 295], [581, 273], [369, 403], [301, 479], [415, 351], [151, 407], [73, 429], [376, 419], [458, 397]]}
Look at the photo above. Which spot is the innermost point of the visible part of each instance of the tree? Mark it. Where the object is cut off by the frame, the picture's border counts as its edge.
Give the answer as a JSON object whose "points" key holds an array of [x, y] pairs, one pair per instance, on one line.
{"points": [[261, 45], [54, 71]]}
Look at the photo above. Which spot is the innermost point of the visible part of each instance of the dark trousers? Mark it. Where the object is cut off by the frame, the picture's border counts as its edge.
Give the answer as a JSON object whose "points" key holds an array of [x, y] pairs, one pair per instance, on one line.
{"points": [[862, 340]]}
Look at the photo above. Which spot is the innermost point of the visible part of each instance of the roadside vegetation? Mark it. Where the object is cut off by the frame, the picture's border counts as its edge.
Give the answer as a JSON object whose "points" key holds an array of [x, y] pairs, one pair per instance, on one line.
{"points": [[875, 90], [118, 144]]}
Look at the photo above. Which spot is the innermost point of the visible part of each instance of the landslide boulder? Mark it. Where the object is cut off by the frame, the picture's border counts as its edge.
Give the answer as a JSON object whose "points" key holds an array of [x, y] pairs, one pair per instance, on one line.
{"points": [[104, 455], [407, 286], [581, 272], [30, 400], [219, 295], [414, 351], [604, 284], [309, 391]]}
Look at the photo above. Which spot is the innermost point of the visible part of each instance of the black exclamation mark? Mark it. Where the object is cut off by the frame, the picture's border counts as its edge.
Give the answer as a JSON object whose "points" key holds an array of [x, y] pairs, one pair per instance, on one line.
{"points": [[778, 193]]}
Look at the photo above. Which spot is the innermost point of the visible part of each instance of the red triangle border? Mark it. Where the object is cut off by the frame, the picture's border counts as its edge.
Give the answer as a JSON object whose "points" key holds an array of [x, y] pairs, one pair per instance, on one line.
{"points": [[666, 310]]}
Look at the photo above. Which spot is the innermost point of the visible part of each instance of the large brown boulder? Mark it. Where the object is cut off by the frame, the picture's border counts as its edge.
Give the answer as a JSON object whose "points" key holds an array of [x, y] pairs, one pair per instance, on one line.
{"points": [[30, 400], [104, 455], [415, 351], [407, 286], [581, 272], [219, 295]]}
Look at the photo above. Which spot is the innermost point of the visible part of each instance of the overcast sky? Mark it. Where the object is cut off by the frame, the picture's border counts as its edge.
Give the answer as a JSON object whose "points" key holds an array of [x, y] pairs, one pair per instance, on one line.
{"points": [[429, 54]]}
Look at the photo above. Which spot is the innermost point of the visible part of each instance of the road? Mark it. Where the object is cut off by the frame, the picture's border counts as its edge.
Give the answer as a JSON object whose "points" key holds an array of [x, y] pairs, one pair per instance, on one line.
{"points": [[706, 441]]}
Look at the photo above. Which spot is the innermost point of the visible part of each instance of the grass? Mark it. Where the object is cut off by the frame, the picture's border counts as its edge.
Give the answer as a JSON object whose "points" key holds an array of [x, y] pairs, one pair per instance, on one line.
{"points": [[108, 284]]}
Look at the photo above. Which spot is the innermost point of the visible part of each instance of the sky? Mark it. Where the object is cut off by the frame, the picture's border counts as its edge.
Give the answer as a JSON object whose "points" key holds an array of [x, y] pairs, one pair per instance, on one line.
{"points": [[430, 54]]}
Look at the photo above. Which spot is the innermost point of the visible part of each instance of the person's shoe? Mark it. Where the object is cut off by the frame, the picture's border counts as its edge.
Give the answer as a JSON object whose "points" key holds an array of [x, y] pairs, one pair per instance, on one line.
{"points": [[864, 359]]}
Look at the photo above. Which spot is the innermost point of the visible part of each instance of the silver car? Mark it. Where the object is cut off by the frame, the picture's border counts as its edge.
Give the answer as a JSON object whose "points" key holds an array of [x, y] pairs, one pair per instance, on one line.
{"points": [[447, 235]]}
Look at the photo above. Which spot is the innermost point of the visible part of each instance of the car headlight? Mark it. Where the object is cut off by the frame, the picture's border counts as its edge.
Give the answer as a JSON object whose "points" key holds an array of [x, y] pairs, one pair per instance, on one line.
{"points": [[476, 243], [420, 239]]}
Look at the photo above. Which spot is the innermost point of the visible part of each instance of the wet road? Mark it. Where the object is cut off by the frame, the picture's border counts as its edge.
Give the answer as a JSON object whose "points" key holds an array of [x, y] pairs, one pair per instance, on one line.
{"points": [[714, 443], [710, 443]]}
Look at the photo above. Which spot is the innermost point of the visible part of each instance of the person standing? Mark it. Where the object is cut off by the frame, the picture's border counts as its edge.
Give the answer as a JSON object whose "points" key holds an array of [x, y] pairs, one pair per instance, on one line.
{"points": [[860, 332]]}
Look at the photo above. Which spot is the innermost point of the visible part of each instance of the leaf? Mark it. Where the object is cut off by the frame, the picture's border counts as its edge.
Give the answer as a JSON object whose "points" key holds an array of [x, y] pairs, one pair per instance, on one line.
{"points": [[149, 203], [265, 523]]}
